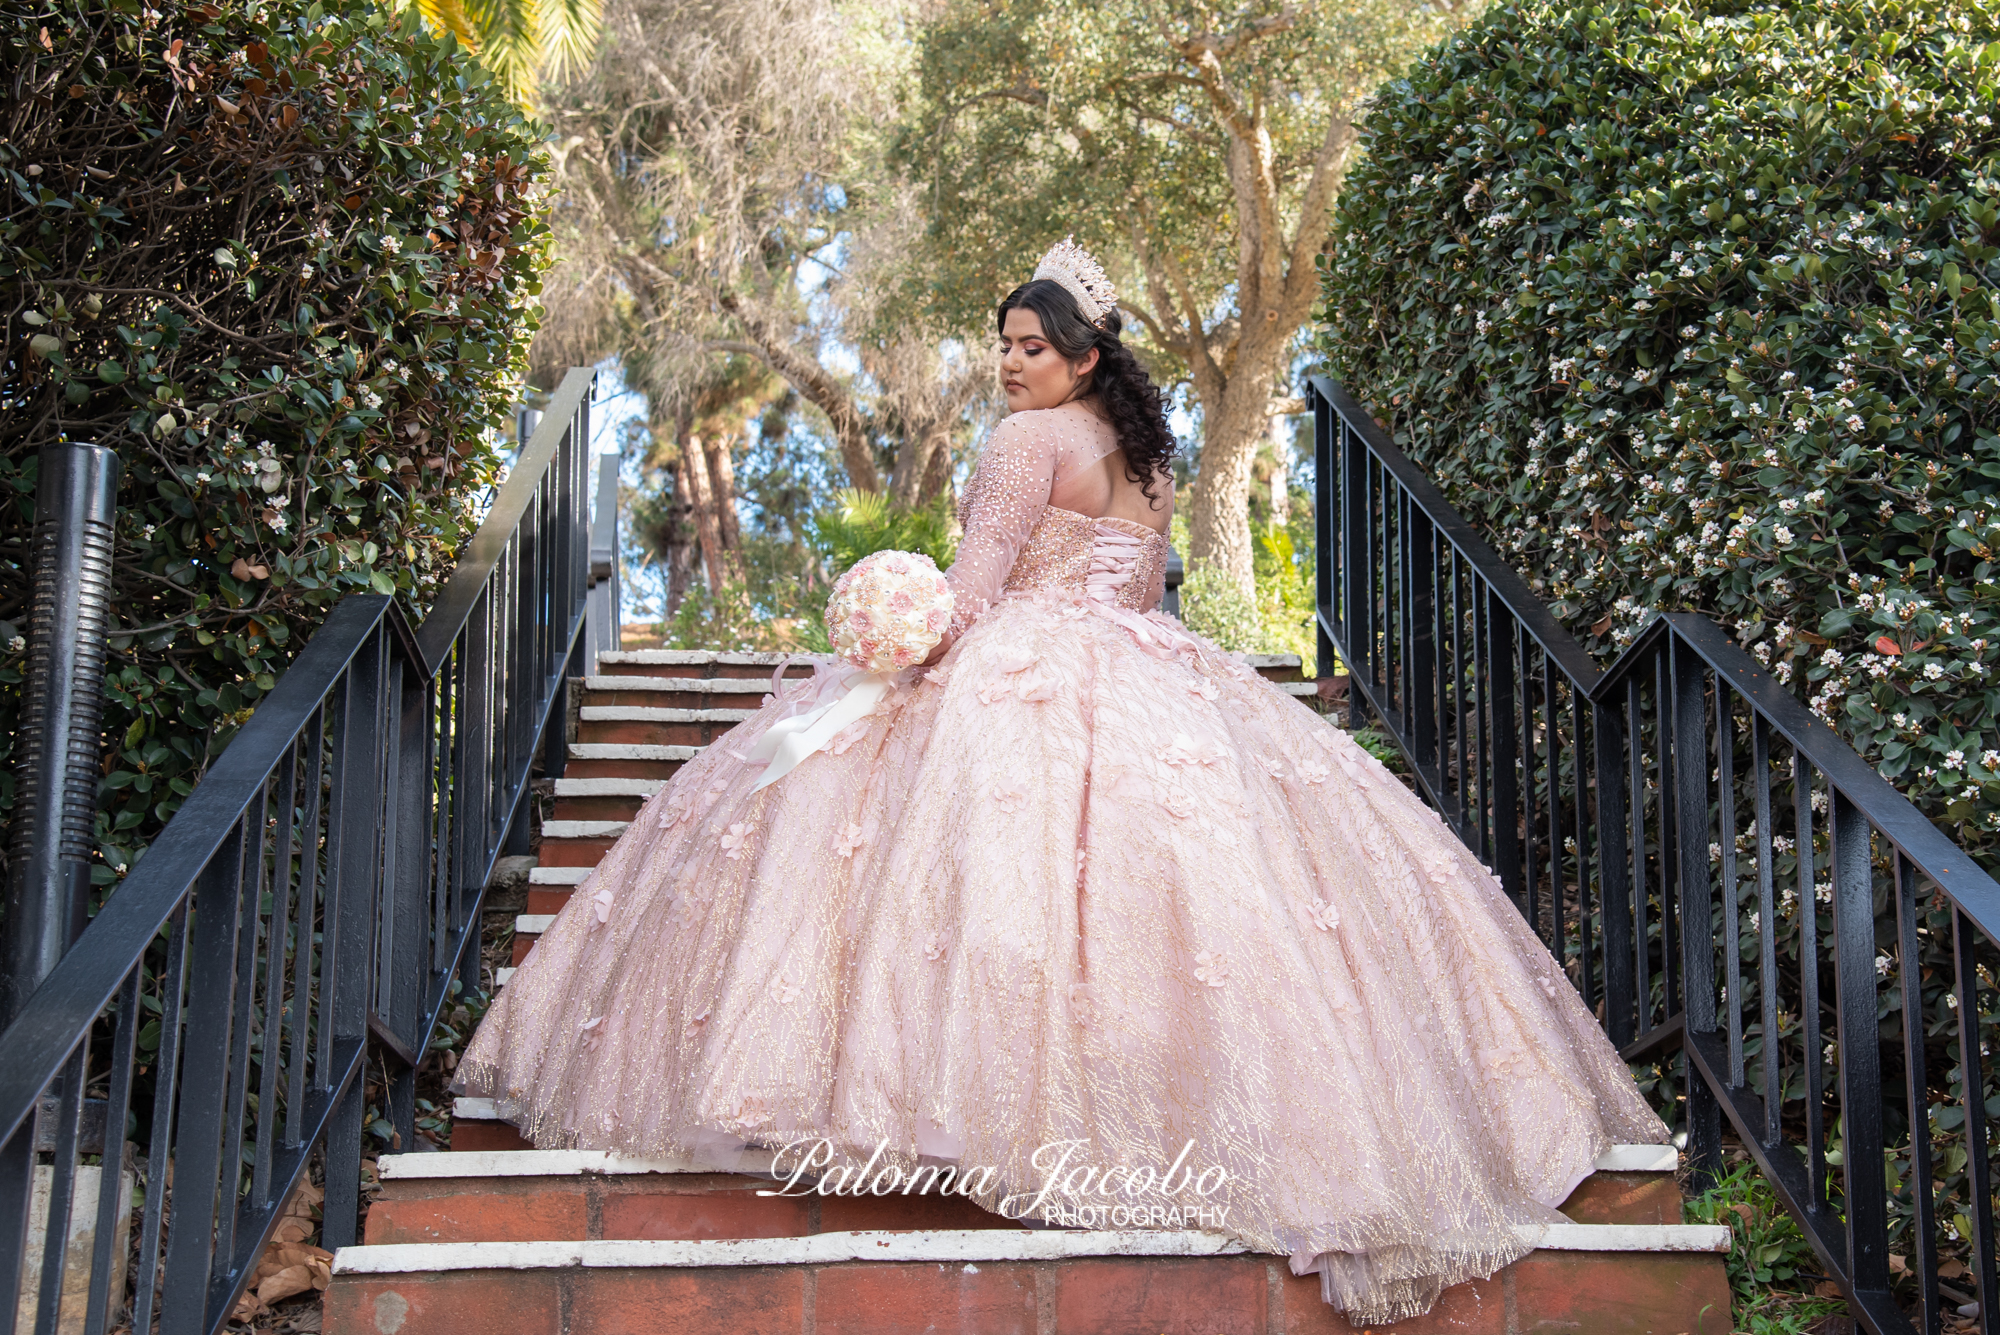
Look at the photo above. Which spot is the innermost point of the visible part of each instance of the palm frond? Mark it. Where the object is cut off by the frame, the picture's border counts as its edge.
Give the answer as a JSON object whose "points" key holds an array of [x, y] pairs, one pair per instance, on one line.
{"points": [[566, 32], [448, 16], [863, 522], [507, 31]]}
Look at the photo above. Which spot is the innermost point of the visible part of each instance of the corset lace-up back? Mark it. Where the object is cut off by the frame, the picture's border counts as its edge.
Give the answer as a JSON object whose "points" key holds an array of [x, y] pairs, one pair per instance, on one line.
{"points": [[1113, 560]]}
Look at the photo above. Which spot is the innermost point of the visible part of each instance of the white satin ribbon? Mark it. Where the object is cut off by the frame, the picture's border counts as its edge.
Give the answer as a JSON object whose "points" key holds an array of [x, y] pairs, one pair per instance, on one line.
{"points": [[844, 695]]}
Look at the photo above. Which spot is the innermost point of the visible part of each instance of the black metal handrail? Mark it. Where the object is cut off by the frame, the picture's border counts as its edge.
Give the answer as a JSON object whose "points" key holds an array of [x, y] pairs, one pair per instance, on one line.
{"points": [[1619, 808], [319, 888]]}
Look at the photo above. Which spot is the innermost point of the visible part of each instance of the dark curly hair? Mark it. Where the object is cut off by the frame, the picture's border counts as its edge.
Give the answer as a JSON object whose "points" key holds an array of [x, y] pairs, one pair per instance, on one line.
{"points": [[1137, 409]]}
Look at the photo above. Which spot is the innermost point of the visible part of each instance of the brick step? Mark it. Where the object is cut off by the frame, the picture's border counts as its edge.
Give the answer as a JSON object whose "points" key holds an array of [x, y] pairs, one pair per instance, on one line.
{"points": [[614, 761], [1602, 1279], [708, 663], [629, 725], [577, 843], [602, 799], [677, 692], [434, 1198], [714, 664], [570, 1195]]}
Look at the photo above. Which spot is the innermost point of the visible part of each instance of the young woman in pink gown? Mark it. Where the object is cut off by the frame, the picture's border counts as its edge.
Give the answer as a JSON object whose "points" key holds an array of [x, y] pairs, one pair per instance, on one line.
{"points": [[1085, 879]]}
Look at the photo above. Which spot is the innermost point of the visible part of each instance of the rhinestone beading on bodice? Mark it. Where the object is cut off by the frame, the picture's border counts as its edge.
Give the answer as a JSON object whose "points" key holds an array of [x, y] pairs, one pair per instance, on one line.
{"points": [[1115, 560]]}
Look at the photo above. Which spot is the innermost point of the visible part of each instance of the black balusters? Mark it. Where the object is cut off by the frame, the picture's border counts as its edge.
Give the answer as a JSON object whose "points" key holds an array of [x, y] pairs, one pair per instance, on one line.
{"points": [[314, 901], [1551, 768], [1850, 869], [1772, 1049], [1979, 1165], [1809, 1019]]}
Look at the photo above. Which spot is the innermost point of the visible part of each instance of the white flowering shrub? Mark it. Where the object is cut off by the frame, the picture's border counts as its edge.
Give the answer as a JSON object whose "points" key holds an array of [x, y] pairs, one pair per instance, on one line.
{"points": [[283, 258], [1707, 317], [1696, 306]]}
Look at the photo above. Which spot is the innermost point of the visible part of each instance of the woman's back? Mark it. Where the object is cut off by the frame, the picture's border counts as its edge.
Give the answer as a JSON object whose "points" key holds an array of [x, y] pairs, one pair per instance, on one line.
{"points": [[1095, 480]]}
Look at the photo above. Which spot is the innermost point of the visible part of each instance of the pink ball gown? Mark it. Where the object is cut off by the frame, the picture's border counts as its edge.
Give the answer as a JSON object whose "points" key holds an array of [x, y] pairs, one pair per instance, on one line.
{"points": [[1087, 880]]}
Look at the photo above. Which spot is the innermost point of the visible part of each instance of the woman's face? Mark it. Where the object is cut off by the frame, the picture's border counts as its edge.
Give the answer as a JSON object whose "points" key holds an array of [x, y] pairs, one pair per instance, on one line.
{"points": [[1032, 373]]}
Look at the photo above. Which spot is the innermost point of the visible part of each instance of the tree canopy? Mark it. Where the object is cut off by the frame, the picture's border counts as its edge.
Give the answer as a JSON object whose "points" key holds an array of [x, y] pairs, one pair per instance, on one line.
{"points": [[1197, 149], [727, 198]]}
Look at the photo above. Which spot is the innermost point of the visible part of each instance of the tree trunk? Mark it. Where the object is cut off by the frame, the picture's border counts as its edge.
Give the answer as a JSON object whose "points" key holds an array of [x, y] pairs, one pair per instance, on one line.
{"points": [[922, 465], [678, 551], [937, 475], [1281, 469], [1233, 426], [722, 487], [770, 343], [701, 496]]}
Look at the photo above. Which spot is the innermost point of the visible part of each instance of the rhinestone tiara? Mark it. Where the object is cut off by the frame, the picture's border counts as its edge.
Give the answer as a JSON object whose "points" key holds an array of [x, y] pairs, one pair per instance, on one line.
{"points": [[1082, 277]]}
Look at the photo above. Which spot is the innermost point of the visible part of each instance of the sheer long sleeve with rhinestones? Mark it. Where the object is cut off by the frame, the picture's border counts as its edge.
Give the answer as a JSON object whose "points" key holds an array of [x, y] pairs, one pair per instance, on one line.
{"points": [[1000, 506]]}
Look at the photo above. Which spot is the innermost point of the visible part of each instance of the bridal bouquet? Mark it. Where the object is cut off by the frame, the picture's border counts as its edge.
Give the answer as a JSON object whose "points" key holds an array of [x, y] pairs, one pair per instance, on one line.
{"points": [[888, 611]]}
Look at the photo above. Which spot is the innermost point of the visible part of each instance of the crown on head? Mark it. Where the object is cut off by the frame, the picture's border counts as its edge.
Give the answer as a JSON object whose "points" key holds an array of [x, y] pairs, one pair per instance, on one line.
{"points": [[1082, 277]]}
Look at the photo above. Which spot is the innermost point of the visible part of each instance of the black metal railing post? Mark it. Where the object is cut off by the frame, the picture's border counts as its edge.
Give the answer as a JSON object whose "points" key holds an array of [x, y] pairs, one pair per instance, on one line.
{"points": [[1696, 899], [1357, 562], [1326, 566], [1850, 855], [1615, 883], [62, 698], [605, 606]]}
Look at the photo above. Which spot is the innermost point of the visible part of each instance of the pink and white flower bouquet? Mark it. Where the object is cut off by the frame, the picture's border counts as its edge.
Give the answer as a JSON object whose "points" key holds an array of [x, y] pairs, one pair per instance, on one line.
{"points": [[888, 611]]}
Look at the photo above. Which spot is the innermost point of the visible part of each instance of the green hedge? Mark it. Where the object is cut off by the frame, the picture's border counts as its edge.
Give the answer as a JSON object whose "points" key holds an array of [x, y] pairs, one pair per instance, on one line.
{"points": [[1694, 307], [283, 258]]}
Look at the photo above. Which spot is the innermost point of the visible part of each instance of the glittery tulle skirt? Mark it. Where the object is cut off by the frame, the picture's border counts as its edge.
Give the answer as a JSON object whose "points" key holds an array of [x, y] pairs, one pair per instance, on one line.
{"points": [[1088, 883]]}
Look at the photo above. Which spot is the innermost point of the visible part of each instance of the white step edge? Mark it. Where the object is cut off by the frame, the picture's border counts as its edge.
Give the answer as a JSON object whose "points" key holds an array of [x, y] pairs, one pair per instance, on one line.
{"points": [[768, 658], [1639, 1159], [659, 714], [970, 1245], [532, 924], [608, 787], [567, 1163], [630, 751], [702, 685], [582, 829], [559, 875], [500, 978], [1297, 687], [944, 1245], [545, 1163], [699, 658]]}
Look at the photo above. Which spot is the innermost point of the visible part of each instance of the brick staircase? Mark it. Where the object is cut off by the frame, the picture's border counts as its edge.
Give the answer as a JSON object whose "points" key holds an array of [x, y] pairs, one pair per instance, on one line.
{"points": [[499, 1237], [586, 1244]]}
